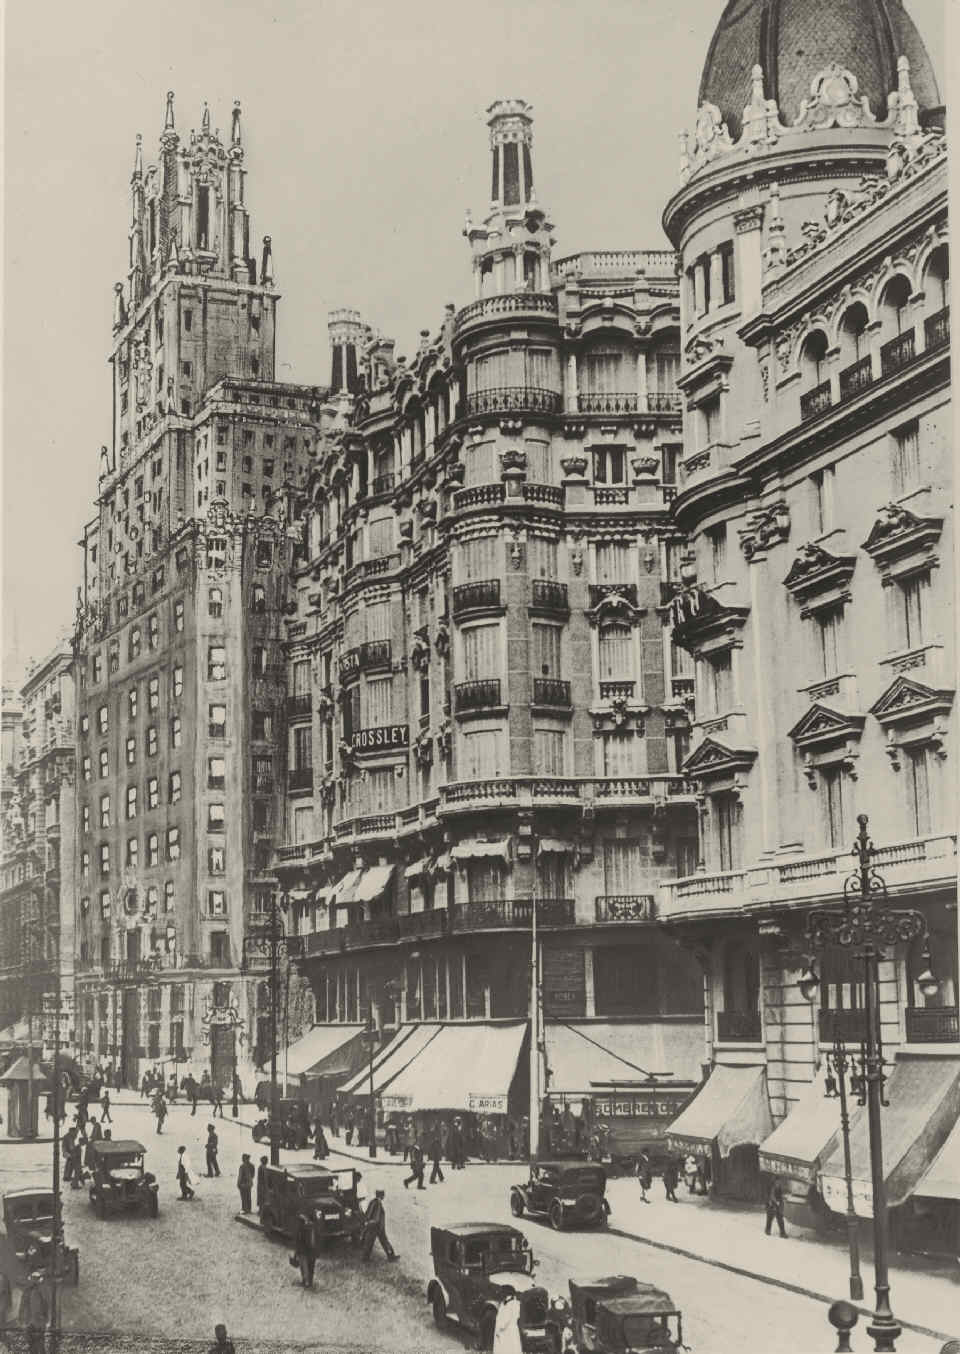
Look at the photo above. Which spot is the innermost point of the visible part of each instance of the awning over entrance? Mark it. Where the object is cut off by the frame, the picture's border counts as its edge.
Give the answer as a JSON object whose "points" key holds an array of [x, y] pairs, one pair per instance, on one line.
{"points": [[584, 1058], [807, 1136], [315, 1047], [556, 846], [21, 1070], [476, 850], [942, 1180], [418, 868], [372, 883], [389, 1062], [465, 1067], [17, 1033], [344, 890], [731, 1109], [443, 864], [924, 1100]]}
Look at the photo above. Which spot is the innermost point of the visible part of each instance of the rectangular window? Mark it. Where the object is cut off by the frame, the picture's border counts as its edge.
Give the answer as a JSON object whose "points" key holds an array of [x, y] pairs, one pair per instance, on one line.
{"points": [[911, 596], [153, 849], [216, 773], [380, 537], [131, 751], [104, 858], [103, 720], [215, 603], [178, 615], [542, 557], [175, 787], [833, 794], [176, 732], [917, 772], [173, 843], [220, 948], [546, 650], [87, 769], [481, 652], [104, 810], [85, 865], [485, 881], [216, 903], [548, 751], [622, 863], [152, 741], [105, 913], [302, 747], [906, 458], [258, 660], [301, 677], [260, 725], [131, 801], [828, 626], [215, 818], [133, 852], [717, 552], [168, 903], [379, 703], [153, 693], [726, 822], [380, 790], [609, 465], [132, 702], [718, 668], [603, 372], [85, 818], [822, 486], [216, 552], [710, 421], [728, 281], [216, 859], [303, 825], [176, 686], [484, 753], [622, 754], [614, 562], [480, 558], [153, 793], [153, 631], [216, 663], [616, 652], [217, 721], [134, 643]]}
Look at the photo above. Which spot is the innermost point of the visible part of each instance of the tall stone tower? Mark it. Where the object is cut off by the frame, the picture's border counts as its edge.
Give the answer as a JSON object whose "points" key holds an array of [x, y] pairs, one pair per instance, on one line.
{"points": [[181, 680]]}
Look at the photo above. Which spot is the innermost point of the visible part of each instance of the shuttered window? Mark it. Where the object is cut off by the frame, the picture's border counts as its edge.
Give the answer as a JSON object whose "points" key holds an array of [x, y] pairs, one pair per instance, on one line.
{"points": [[378, 620], [380, 537], [483, 754], [621, 867], [604, 371], [615, 562], [542, 557], [539, 369], [481, 464], [301, 678], [379, 790], [548, 751], [480, 558], [545, 642], [378, 703], [623, 754], [485, 880], [539, 469], [481, 652], [616, 652], [551, 877]]}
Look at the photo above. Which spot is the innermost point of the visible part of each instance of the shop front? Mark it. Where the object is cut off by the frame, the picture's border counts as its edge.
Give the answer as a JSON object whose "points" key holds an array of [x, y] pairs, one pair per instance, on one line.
{"points": [[321, 1059], [930, 1220], [723, 1127], [22, 1090], [797, 1147]]}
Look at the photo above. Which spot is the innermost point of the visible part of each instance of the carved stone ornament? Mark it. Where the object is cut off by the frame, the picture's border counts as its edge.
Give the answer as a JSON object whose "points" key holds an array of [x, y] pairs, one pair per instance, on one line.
{"points": [[420, 651], [328, 790], [645, 465], [711, 136], [423, 750], [442, 640], [456, 472], [575, 467], [347, 754], [444, 740], [427, 508], [513, 461], [768, 527], [834, 102]]}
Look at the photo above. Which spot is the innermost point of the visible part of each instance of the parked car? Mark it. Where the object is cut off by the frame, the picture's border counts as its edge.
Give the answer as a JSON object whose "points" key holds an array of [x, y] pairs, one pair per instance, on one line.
{"points": [[28, 1222], [618, 1314], [328, 1199], [294, 1121], [120, 1183], [473, 1264], [569, 1193]]}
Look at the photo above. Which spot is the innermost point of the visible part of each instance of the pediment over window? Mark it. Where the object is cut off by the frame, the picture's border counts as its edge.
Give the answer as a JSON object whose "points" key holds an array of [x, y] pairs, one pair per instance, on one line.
{"points": [[818, 577], [613, 605], [906, 702], [713, 759], [700, 621], [821, 727], [901, 541]]}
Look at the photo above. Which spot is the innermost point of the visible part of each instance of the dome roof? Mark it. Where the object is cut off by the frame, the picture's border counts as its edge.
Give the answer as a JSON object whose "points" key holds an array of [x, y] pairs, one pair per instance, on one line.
{"points": [[795, 39]]}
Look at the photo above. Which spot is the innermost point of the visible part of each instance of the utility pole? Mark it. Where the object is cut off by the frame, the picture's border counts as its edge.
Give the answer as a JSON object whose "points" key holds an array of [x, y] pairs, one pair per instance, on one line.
{"points": [[271, 942], [534, 1033]]}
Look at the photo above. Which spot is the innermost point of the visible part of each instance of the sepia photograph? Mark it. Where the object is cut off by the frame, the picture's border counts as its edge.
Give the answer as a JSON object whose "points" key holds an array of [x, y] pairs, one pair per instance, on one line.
{"points": [[478, 640]]}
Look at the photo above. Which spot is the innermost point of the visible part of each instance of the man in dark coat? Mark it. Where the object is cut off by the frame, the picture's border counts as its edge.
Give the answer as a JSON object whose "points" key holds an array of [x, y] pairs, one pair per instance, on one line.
{"points": [[218, 1100], [436, 1156], [671, 1178], [212, 1148], [456, 1146], [321, 1147], [375, 1228], [33, 1313], [775, 1208], [160, 1110], [105, 1116], [305, 1254], [245, 1178], [66, 1147], [644, 1176], [183, 1176], [416, 1166], [261, 1188]]}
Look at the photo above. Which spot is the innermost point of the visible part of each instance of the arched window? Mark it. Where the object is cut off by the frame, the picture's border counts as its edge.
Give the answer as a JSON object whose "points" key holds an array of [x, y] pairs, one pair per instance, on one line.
{"points": [[893, 307], [853, 333], [936, 279], [813, 359]]}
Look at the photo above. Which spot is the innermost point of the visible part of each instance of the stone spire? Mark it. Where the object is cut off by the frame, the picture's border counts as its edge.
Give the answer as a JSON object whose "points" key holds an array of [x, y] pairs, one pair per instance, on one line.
{"points": [[235, 128], [205, 121], [168, 121]]}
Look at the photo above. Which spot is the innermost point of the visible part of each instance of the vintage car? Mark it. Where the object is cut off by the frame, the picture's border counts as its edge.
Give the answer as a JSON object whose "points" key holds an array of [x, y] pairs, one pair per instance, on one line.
{"points": [[294, 1121], [474, 1263], [618, 1315], [328, 1200], [28, 1222], [569, 1193], [120, 1183]]}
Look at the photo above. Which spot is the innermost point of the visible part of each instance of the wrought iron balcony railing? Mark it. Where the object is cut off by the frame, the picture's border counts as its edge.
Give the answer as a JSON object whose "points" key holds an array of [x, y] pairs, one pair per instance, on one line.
{"points": [[514, 399], [856, 377], [739, 1027], [375, 653], [477, 695], [815, 401], [626, 907], [936, 328], [932, 1025], [300, 778], [383, 484], [551, 691], [550, 595], [299, 704], [473, 596], [510, 912], [898, 352]]}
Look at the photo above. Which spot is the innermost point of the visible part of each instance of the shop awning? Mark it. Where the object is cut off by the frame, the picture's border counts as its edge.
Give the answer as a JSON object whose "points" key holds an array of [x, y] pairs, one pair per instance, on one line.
{"points": [[316, 1045], [730, 1109], [476, 850], [21, 1070], [418, 868], [808, 1135], [443, 864], [389, 1062], [344, 890], [462, 1067], [924, 1100], [583, 1058], [17, 1033], [555, 846], [942, 1180], [372, 883]]}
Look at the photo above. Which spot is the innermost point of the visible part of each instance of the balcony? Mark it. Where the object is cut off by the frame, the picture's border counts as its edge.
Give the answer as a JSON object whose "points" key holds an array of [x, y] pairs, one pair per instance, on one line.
{"points": [[611, 495], [502, 913], [479, 496], [300, 778], [936, 329], [932, 1025], [897, 352], [379, 931], [375, 653], [476, 596], [617, 691], [660, 263], [514, 400], [628, 907], [514, 304], [598, 402], [299, 706], [551, 691], [856, 377], [814, 402], [850, 1025], [383, 484], [598, 591], [739, 1027], [549, 595], [261, 784], [543, 791], [551, 494], [664, 402], [480, 695]]}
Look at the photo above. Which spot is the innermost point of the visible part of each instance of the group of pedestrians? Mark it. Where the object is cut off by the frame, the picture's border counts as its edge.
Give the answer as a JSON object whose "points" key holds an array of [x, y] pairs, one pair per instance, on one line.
{"points": [[691, 1169]]}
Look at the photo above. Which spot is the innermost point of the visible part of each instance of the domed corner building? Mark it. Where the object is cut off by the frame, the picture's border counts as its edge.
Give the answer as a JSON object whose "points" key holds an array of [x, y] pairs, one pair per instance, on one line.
{"points": [[815, 494]]}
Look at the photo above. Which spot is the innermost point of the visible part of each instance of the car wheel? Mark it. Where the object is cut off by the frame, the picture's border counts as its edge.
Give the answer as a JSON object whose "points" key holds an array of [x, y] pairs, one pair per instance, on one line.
{"points": [[439, 1305], [556, 1216], [516, 1205], [488, 1324]]}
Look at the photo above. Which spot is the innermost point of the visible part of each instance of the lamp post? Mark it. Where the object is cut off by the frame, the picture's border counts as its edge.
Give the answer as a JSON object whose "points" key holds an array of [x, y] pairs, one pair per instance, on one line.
{"points": [[866, 930], [839, 1088], [370, 1039], [269, 941]]}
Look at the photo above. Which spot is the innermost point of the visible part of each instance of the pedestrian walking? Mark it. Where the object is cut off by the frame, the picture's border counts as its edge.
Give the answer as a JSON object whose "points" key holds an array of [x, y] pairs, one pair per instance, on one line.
{"points": [[77, 1152], [218, 1100], [436, 1156], [644, 1175], [671, 1178], [261, 1182], [390, 1137], [212, 1148], [145, 1085], [222, 1345], [321, 1148], [416, 1166], [184, 1174], [105, 1116], [334, 1122], [775, 1208], [66, 1147], [506, 1332], [33, 1312], [305, 1255], [245, 1178], [348, 1127], [96, 1134], [455, 1146], [375, 1228], [160, 1110]]}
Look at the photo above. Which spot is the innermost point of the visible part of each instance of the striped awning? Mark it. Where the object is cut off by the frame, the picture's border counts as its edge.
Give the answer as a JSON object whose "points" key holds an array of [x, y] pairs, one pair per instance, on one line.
{"points": [[475, 849]]}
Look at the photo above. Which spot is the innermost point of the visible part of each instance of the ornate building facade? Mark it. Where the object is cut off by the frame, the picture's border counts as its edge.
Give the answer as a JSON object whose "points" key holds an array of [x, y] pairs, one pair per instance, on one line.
{"points": [[180, 665], [488, 719], [816, 493]]}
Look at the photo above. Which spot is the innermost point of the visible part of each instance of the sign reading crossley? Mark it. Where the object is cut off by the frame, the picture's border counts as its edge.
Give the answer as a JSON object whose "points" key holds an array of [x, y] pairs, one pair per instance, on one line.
{"points": [[383, 739]]}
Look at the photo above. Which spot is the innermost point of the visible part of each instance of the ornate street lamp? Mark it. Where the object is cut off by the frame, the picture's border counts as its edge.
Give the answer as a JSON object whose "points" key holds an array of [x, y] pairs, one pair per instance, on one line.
{"points": [[270, 944], [836, 1086], [867, 931]]}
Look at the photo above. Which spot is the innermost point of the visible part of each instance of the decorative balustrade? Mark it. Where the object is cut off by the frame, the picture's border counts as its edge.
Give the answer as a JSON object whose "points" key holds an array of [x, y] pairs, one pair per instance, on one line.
{"points": [[485, 792], [627, 907], [605, 495], [932, 1025], [479, 695], [897, 352], [300, 778], [542, 493], [598, 591], [664, 402], [299, 704], [551, 691], [474, 596], [375, 824], [856, 377], [735, 1027], [479, 495], [936, 329], [605, 402], [815, 401], [550, 595], [618, 262], [512, 912], [682, 687], [383, 484], [619, 690], [514, 400], [512, 303]]}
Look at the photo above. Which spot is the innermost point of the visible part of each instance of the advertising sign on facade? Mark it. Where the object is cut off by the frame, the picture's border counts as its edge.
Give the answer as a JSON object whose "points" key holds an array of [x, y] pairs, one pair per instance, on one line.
{"points": [[396, 1102], [386, 738], [486, 1104]]}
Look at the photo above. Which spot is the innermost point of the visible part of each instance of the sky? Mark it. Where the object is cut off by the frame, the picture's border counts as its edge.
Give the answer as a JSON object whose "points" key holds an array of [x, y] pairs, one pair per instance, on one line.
{"points": [[365, 140]]}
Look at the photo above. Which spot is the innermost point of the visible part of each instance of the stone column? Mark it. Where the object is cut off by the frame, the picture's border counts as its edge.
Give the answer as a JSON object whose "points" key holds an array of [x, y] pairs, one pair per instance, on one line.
{"points": [[571, 401], [590, 1009], [699, 288], [749, 257], [716, 280], [642, 401]]}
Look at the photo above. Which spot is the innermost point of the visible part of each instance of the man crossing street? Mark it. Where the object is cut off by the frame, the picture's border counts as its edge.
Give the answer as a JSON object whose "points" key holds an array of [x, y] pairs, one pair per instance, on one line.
{"points": [[213, 1147], [436, 1156], [105, 1116], [218, 1100], [375, 1228], [775, 1208], [245, 1178], [416, 1166]]}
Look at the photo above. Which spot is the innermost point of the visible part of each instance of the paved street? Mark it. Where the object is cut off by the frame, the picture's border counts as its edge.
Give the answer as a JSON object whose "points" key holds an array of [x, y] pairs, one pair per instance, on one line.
{"points": [[196, 1264]]}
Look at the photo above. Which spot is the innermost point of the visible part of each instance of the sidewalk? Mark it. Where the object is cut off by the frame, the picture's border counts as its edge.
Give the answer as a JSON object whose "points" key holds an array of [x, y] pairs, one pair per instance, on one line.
{"points": [[731, 1236]]}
